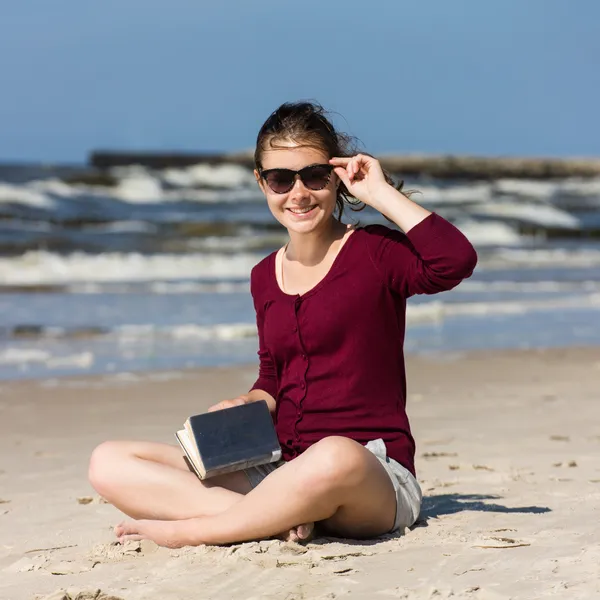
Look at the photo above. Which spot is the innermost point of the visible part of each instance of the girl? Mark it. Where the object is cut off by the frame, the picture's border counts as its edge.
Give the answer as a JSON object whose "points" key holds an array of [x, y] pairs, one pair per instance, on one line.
{"points": [[330, 309]]}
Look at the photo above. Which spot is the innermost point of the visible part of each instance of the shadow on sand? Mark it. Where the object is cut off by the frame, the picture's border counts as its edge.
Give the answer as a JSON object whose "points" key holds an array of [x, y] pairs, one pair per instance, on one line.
{"points": [[448, 504], [436, 506]]}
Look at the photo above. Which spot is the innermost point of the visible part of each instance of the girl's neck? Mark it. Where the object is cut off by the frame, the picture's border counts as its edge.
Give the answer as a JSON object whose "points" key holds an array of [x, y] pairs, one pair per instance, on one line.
{"points": [[310, 249]]}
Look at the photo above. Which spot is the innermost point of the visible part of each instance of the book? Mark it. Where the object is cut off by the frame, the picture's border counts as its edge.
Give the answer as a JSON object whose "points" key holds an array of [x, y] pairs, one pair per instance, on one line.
{"points": [[230, 439]]}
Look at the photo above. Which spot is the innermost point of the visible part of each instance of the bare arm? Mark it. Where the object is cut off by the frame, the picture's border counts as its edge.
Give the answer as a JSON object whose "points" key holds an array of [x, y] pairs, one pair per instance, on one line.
{"points": [[363, 177]]}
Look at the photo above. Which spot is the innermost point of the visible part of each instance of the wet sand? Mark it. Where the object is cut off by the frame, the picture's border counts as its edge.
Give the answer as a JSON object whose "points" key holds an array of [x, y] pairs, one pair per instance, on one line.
{"points": [[508, 449]]}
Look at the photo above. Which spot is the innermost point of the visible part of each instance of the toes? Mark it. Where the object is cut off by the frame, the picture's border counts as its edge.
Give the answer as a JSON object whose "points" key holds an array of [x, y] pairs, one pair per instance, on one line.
{"points": [[302, 533], [126, 528], [305, 532], [288, 536], [133, 537]]}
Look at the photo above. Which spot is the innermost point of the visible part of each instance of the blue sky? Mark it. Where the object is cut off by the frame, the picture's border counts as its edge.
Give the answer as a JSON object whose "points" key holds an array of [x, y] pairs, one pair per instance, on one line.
{"points": [[518, 77]]}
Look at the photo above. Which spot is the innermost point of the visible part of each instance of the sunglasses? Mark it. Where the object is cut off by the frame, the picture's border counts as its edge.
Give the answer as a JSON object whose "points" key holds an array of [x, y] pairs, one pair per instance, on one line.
{"points": [[314, 177]]}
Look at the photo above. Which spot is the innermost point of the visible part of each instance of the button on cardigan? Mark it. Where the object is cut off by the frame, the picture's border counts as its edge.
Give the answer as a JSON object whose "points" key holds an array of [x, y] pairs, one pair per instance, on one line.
{"points": [[333, 357]]}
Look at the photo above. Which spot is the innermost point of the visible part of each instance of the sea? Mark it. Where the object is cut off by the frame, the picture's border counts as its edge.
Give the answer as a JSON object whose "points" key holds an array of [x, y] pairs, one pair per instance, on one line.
{"points": [[148, 270]]}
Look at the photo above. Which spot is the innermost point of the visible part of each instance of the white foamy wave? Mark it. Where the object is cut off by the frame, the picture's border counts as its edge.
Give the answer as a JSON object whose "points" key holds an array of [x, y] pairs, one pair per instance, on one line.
{"points": [[129, 334], [540, 258], [136, 185], [162, 287], [581, 187], [471, 309], [489, 233], [40, 267], [527, 287], [192, 287], [567, 193], [146, 189], [22, 357], [218, 176], [437, 311], [534, 214], [243, 242], [55, 187], [541, 190], [214, 196], [455, 195], [230, 331], [17, 194], [122, 227]]}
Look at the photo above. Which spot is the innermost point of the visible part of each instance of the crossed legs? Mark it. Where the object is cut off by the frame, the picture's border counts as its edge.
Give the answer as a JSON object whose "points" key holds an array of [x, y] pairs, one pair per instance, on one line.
{"points": [[146, 480], [336, 482]]}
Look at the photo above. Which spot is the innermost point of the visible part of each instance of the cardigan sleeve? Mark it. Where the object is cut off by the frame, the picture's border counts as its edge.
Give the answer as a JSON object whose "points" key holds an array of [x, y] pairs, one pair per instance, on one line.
{"points": [[434, 256], [267, 375]]}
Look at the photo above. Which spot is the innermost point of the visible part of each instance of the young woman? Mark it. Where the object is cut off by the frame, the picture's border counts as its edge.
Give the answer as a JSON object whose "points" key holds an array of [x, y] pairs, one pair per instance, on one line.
{"points": [[330, 310]]}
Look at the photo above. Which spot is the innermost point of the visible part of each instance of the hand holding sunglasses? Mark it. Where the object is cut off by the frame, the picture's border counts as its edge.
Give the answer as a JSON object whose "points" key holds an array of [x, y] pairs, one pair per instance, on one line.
{"points": [[362, 175]]}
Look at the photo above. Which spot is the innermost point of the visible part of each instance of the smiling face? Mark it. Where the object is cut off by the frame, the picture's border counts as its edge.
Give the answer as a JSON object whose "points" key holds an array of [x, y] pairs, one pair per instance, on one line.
{"points": [[301, 210]]}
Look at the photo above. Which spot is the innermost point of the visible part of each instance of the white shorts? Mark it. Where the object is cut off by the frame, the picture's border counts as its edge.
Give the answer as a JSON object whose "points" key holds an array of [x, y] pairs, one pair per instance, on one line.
{"points": [[408, 491]]}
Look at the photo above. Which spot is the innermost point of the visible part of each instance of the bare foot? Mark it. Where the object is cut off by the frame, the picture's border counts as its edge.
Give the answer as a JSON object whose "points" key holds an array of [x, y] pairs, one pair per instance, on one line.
{"points": [[162, 533], [301, 534]]}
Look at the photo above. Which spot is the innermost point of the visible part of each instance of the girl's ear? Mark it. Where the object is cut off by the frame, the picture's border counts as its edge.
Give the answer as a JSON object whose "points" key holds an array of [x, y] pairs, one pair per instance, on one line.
{"points": [[259, 180]]}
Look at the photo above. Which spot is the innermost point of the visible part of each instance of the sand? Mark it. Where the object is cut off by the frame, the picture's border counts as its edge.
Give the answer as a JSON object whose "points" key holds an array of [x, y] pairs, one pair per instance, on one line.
{"points": [[508, 449]]}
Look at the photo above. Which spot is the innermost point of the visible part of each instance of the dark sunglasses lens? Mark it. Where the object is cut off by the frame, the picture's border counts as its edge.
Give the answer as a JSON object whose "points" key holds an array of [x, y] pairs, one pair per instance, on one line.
{"points": [[280, 181], [316, 178]]}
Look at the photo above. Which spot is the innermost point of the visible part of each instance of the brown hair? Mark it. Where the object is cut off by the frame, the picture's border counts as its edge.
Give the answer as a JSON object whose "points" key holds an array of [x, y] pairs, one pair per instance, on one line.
{"points": [[307, 123]]}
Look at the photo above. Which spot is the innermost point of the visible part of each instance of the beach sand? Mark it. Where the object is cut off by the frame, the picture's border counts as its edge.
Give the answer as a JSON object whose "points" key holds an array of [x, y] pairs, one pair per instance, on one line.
{"points": [[508, 448]]}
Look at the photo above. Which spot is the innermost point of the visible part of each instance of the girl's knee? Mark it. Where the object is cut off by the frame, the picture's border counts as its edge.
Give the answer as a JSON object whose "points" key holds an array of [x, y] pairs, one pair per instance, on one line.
{"points": [[104, 465], [335, 461]]}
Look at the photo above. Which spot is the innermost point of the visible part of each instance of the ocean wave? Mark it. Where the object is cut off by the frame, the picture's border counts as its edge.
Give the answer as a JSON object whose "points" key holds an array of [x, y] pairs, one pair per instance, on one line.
{"points": [[19, 194], [186, 332], [124, 334], [438, 310], [46, 268], [542, 215], [437, 196], [555, 191], [156, 287], [489, 233], [225, 183], [216, 176], [42, 268], [55, 187], [527, 287], [540, 258], [431, 312], [21, 357], [142, 194]]}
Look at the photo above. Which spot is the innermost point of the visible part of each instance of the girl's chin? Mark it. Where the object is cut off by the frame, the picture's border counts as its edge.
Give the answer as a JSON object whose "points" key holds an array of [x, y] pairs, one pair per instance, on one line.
{"points": [[304, 226]]}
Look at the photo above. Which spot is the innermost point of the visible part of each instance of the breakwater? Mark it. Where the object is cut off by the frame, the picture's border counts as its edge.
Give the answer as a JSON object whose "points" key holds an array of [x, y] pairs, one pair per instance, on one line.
{"points": [[435, 166]]}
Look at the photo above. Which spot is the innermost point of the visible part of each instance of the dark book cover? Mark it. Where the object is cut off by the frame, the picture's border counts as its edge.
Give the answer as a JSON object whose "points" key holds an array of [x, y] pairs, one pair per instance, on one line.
{"points": [[231, 439]]}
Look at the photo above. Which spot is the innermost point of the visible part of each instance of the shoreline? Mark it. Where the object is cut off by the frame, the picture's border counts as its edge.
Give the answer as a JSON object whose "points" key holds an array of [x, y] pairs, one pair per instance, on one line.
{"points": [[171, 374], [507, 446], [95, 169], [441, 166]]}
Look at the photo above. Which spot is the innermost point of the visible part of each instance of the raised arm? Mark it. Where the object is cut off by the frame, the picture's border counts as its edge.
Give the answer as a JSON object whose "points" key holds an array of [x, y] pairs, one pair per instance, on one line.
{"points": [[433, 257], [430, 256]]}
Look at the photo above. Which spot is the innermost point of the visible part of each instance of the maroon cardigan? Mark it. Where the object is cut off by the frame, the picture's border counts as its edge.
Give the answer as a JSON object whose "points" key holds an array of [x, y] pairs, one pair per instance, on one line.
{"points": [[333, 358]]}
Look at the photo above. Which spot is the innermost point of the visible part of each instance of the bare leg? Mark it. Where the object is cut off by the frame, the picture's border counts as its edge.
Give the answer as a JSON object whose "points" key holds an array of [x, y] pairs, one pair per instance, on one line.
{"points": [[337, 481], [146, 480]]}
